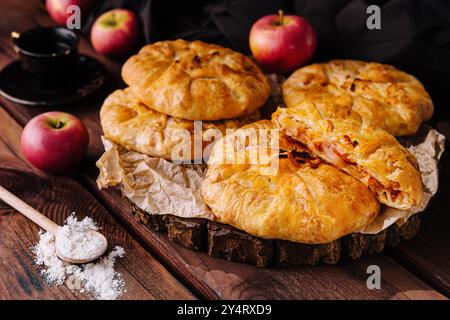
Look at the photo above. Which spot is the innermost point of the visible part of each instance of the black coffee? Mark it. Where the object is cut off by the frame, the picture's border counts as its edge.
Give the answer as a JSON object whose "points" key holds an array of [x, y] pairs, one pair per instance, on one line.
{"points": [[47, 47], [50, 56], [47, 41]]}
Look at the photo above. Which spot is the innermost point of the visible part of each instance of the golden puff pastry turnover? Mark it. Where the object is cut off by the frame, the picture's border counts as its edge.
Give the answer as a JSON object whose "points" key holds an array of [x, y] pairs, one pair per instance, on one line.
{"points": [[196, 80], [369, 154], [130, 123], [382, 95], [305, 200]]}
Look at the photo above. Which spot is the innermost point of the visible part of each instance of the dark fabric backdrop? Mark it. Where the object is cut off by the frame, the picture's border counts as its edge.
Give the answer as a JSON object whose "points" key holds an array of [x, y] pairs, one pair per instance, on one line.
{"points": [[414, 35]]}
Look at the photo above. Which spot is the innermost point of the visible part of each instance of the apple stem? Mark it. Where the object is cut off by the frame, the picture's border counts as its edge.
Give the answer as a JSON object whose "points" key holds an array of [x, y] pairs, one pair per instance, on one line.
{"points": [[59, 124], [280, 15], [56, 124], [111, 21]]}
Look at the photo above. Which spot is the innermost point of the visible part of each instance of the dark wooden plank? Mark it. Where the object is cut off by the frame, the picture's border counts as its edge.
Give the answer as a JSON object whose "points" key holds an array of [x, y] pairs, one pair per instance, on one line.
{"points": [[428, 255], [219, 279], [57, 197], [214, 278]]}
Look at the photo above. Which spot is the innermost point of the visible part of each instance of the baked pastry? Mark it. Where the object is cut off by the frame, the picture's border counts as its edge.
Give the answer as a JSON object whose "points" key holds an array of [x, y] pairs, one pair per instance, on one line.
{"points": [[305, 200], [130, 123], [369, 154], [196, 80], [382, 95]]}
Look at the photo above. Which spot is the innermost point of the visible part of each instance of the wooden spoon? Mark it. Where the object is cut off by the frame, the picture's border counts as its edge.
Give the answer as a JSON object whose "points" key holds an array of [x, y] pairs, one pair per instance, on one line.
{"points": [[51, 227]]}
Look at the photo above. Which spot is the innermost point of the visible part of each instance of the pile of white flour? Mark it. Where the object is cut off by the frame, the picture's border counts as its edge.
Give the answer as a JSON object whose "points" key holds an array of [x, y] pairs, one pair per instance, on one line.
{"points": [[99, 278], [77, 240]]}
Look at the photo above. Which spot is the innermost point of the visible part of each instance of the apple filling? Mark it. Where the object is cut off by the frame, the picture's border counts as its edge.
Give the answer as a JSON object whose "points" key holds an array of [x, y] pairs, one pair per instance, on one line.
{"points": [[333, 153]]}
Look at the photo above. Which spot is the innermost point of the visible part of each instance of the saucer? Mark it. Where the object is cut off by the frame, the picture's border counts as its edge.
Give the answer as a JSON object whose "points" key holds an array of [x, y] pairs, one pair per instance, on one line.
{"points": [[15, 84]]}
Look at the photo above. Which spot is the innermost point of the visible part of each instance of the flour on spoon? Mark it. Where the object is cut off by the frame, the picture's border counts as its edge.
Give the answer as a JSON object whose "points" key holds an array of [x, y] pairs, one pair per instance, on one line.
{"points": [[76, 240], [99, 277]]}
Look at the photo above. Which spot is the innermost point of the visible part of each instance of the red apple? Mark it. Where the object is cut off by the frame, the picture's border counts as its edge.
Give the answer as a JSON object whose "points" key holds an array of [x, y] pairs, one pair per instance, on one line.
{"points": [[116, 33], [54, 142], [281, 44], [57, 9]]}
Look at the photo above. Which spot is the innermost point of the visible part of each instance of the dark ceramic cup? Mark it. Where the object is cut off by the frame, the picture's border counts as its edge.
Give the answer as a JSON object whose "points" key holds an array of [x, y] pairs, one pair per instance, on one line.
{"points": [[49, 55]]}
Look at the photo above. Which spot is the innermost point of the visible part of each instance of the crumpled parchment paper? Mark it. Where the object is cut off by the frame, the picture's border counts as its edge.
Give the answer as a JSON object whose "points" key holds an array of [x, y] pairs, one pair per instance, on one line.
{"points": [[158, 186], [155, 185]]}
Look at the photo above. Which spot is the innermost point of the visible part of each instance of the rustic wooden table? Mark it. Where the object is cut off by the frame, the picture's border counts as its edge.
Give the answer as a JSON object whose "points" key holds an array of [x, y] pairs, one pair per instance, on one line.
{"points": [[154, 267]]}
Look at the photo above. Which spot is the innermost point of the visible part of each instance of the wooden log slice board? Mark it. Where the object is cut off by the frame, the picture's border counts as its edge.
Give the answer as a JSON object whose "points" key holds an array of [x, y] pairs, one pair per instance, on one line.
{"points": [[226, 242]]}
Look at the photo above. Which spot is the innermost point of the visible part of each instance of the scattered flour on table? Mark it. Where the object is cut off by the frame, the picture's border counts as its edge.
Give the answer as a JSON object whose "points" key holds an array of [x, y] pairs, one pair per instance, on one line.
{"points": [[98, 277]]}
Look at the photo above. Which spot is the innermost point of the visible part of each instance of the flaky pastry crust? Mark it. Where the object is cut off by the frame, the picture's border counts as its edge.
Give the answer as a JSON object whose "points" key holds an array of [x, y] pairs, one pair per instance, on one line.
{"points": [[196, 80], [130, 123], [369, 154], [382, 95], [306, 200]]}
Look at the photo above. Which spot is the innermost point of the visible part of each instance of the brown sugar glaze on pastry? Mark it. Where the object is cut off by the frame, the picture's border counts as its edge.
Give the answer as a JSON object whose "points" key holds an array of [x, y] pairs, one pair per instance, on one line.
{"points": [[382, 95], [196, 80], [371, 155], [130, 123], [305, 200]]}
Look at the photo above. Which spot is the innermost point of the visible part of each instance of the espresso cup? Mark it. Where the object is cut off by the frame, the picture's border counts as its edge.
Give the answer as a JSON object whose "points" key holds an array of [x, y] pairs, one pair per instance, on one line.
{"points": [[49, 55]]}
